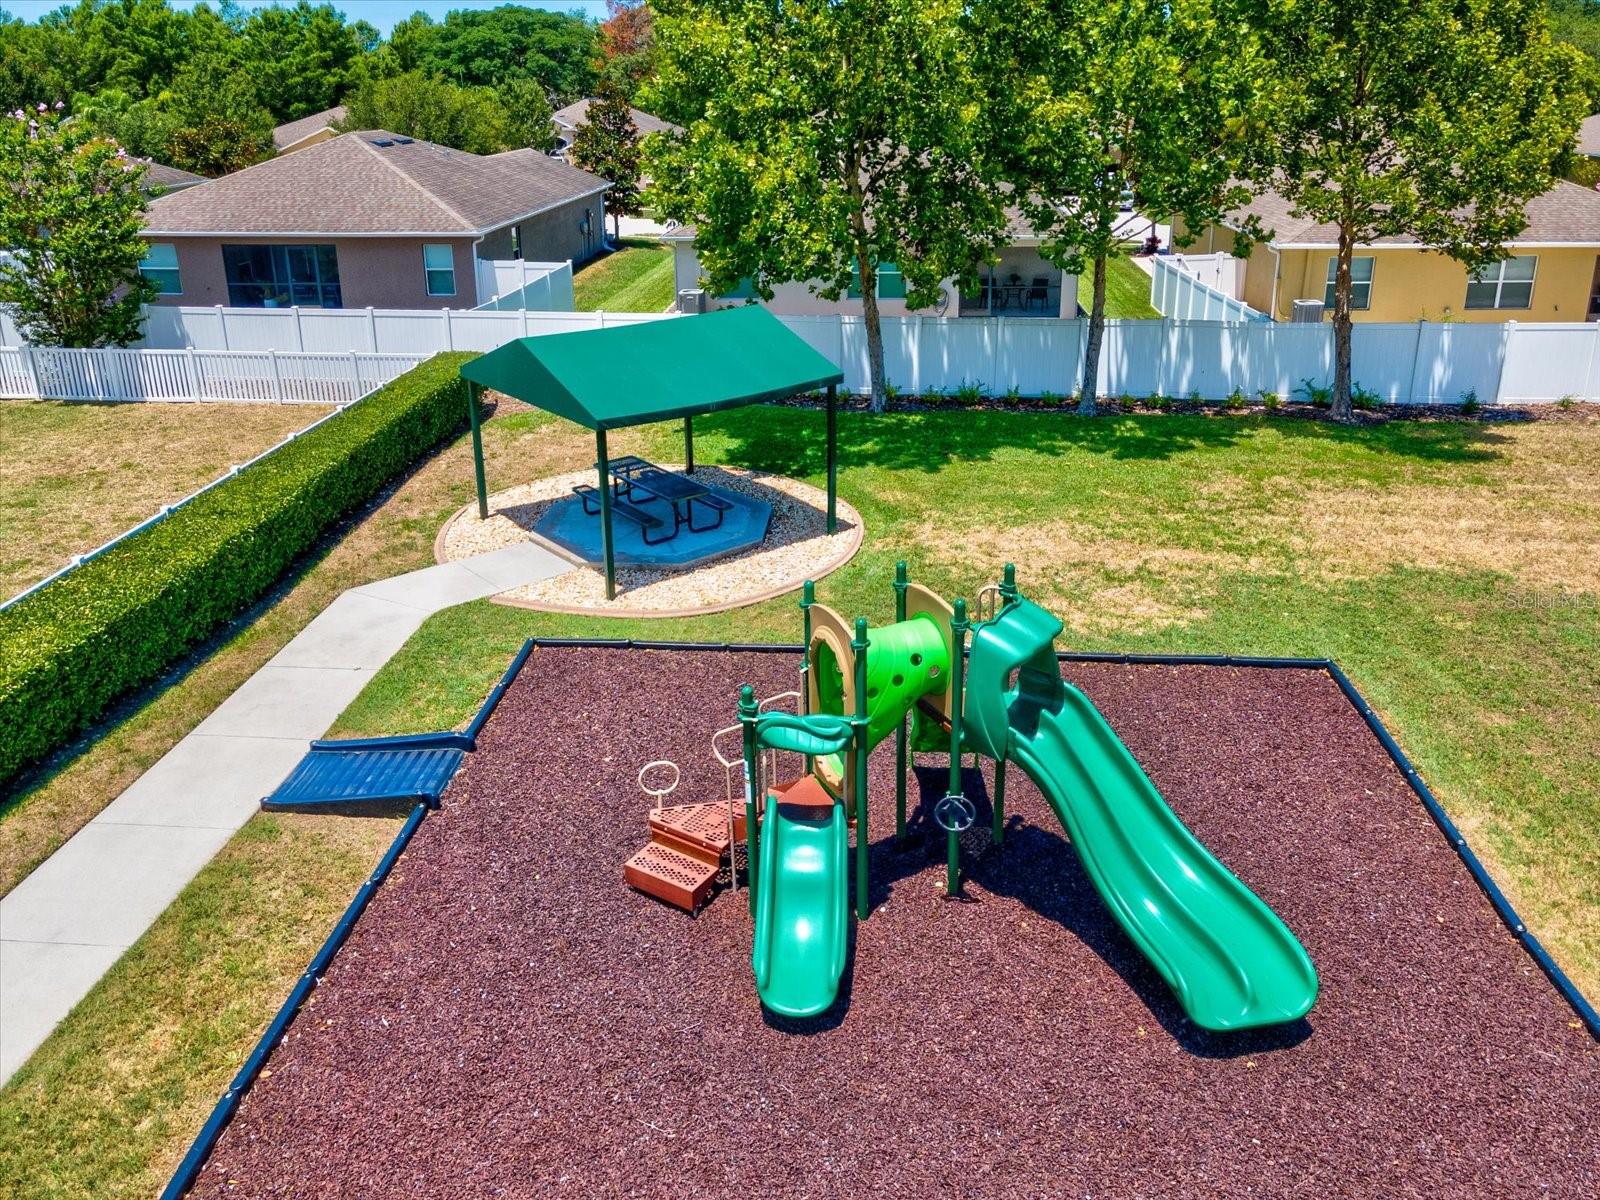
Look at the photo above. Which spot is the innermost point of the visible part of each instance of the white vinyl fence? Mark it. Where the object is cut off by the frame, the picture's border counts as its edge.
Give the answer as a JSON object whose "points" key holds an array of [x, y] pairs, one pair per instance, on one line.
{"points": [[1421, 363], [515, 283], [50, 373], [364, 330], [1195, 295]]}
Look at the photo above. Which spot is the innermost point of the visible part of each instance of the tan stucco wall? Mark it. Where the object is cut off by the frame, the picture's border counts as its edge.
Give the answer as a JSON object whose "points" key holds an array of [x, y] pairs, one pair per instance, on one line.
{"points": [[553, 236], [373, 272], [1410, 283]]}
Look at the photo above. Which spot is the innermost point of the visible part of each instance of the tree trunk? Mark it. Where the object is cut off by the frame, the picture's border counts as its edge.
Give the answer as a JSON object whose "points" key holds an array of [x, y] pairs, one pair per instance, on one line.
{"points": [[1341, 328], [1091, 349], [869, 310]]}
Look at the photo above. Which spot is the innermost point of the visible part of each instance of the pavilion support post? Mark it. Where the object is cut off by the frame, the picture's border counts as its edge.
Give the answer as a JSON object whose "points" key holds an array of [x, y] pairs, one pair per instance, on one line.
{"points": [[607, 548], [688, 445], [833, 457], [477, 450]]}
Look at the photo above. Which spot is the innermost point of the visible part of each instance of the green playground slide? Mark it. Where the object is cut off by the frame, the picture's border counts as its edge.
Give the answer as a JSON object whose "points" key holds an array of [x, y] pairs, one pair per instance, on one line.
{"points": [[1231, 961], [802, 905]]}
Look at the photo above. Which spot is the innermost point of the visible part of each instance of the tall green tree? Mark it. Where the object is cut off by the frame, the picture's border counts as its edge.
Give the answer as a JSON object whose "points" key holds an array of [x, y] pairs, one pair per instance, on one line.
{"points": [[73, 219], [1432, 119], [486, 47], [433, 109], [1094, 102], [829, 140], [607, 144], [529, 116], [301, 58]]}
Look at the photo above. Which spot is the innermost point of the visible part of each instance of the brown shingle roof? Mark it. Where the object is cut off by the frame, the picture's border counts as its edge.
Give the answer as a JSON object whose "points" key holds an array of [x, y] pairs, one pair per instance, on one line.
{"points": [[1565, 215], [159, 175], [577, 113], [291, 132], [356, 185]]}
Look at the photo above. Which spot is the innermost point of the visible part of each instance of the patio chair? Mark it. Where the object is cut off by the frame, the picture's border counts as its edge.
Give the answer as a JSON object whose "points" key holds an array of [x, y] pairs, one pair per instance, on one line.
{"points": [[1039, 290]]}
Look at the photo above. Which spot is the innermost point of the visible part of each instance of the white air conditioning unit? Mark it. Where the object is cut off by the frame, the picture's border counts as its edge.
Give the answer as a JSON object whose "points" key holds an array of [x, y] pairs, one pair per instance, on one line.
{"points": [[692, 300], [1307, 312]]}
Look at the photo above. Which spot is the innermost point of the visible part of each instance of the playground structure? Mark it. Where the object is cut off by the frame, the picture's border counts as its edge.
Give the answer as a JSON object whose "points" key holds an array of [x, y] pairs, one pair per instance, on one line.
{"points": [[1231, 962]]}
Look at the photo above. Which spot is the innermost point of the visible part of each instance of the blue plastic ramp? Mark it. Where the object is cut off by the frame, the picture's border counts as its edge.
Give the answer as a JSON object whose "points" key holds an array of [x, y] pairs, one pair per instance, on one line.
{"points": [[332, 775]]}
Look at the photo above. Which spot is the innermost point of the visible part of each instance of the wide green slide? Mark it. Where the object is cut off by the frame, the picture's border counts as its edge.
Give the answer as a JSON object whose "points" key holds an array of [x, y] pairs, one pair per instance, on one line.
{"points": [[802, 903], [1232, 963]]}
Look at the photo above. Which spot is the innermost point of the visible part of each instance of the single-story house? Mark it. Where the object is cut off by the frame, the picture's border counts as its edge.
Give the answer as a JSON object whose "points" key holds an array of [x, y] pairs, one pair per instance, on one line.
{"points": [[567, 120], [369, 219], [307, 131], [1589, 137], [158, 177], [1022, 283], [1552, 274]]}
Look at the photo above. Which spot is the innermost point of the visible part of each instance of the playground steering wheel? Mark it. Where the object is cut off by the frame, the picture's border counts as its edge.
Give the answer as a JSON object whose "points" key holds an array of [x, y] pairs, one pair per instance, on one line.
{"points": [[648, 784], [955, 814]]}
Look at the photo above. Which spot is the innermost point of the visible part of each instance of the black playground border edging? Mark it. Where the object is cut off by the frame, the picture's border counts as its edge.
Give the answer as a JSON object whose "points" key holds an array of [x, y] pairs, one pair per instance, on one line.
{"points": [[188, 1170]]}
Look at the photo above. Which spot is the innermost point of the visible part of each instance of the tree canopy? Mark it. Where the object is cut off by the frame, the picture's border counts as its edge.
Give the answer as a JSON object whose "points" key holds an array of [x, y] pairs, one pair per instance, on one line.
{"points": [[73, 222], [1435, 119], [811, 160]]}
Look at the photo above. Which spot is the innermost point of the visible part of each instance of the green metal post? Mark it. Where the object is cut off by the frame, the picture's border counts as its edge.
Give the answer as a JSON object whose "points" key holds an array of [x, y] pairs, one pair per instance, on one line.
{"points": [[901, 583], [859, 646], [958, 649], [688, 445], [1008, 585], [1009, 595], [607, 550], [999, 806], [752, 779], [833, 457], [808, 597], [477, 450]]}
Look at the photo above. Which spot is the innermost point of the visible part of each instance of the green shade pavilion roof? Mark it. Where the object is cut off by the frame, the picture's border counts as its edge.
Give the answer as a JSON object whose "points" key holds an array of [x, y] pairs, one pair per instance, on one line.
{"points": [[656, 370]]}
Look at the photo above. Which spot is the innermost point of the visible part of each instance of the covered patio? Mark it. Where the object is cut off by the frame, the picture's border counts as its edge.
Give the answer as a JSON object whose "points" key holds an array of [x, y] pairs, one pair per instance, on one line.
{"points": [[638, 374]]}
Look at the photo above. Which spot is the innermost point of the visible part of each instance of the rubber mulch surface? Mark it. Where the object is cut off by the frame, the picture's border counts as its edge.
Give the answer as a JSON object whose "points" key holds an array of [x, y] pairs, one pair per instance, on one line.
{"points": [[509, 1020]]}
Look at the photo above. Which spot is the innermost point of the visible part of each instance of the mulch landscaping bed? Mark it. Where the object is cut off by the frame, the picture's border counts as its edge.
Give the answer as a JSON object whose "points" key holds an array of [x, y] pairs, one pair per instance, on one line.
{"points": [[508, 1019]]}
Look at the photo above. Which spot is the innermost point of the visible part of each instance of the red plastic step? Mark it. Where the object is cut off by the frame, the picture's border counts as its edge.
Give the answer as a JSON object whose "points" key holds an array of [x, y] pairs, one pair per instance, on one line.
{"points": [[698, 830], [670, 875]]}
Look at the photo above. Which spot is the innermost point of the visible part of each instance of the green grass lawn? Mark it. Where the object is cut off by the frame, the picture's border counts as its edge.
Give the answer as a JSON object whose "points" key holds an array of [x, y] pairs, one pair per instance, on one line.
{"points": [[1127, 290], [637, 277], [1452, 568], [74, 475]]}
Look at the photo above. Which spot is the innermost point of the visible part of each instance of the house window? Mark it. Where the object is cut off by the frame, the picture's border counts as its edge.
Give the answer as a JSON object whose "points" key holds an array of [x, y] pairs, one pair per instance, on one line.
{"points": [[891, 284], [439, 264], [280, 276], [160, 267], [516, 241], [1360, 282], [1505, 284]]}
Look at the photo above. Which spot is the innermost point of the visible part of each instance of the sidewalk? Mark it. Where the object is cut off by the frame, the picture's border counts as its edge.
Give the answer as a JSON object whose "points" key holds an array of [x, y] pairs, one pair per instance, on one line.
{"points": [[64, 925]]}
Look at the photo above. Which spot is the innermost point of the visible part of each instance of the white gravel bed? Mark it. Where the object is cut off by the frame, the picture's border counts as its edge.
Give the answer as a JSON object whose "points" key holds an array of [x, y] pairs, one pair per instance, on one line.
{"points": [[796, 549]]}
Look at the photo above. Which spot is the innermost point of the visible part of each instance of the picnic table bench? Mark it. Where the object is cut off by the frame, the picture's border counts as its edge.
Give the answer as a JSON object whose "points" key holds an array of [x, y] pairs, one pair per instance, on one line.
{"points": [[636, 481]]}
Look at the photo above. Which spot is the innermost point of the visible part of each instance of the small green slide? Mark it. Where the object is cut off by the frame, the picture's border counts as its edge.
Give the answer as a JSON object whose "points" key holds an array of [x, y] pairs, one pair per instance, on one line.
{"points": [[802, 888], [1231, 961], [802, 906]]}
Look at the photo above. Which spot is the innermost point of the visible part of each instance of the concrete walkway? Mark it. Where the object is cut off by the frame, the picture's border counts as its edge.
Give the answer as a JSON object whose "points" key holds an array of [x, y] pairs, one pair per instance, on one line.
{"points": [[64, 925]]}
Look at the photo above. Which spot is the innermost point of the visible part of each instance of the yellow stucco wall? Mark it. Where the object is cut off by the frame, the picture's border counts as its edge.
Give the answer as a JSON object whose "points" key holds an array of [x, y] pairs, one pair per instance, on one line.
{"points": [[1410, 284]]}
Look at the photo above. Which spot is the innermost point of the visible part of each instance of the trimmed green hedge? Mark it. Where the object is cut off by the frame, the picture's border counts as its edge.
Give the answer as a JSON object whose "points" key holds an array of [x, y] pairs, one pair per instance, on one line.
{"points": [[117, 622]]}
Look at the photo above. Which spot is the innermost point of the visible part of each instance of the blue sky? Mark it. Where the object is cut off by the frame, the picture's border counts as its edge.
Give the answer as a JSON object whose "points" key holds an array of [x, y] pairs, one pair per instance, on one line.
{"points": [[382, 13]]}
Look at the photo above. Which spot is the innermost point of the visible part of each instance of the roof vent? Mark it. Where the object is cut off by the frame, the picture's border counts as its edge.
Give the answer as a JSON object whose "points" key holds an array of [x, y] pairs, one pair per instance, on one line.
{"points": [[382, 142], [404, 141]]}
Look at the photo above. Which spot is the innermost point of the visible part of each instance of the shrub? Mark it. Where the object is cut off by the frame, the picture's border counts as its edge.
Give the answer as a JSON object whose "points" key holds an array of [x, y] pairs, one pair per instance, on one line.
{"points": [[1049, 399], [1363, 399], [891, 391], [1317, 395], [1567, 402], [1235, 401], [1014, 395], [970, 391], [1158, 402], [117, 622], [1470, 402], [1270, 400]]}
